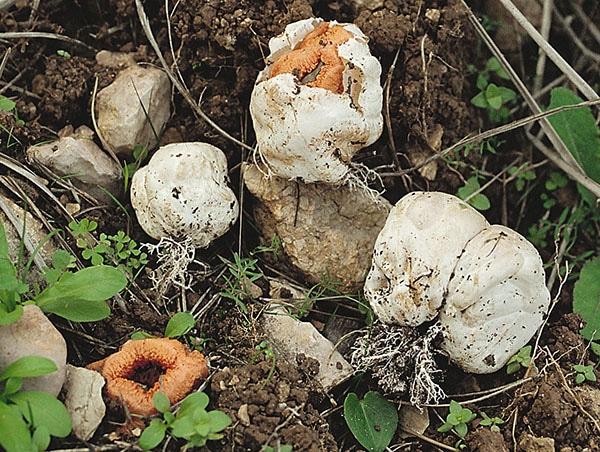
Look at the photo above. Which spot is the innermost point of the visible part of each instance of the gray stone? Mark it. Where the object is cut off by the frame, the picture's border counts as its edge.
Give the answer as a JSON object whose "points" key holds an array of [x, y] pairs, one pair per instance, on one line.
{"points": [[133, 109], [322, 227], [83, 399], [34, 335], [532, 443], [291, 337], [83, 162]]}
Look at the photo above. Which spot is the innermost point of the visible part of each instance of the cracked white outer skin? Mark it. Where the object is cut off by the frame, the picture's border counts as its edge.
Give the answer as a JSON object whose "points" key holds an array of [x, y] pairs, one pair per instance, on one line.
{"points": [[311, 133], [183, 192], [437, 256], [496, 300], [415, 254]]}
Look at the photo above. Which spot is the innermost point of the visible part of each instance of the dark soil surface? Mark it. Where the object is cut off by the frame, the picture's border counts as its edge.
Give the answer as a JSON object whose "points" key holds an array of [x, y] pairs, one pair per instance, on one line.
{"points": [[425, 48]]}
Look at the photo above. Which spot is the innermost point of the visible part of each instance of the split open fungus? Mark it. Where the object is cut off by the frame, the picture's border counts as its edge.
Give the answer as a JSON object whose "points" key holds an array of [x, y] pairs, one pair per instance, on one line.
{"points": [[317, 102], [143, 367], [183, 192], [437, 257]]}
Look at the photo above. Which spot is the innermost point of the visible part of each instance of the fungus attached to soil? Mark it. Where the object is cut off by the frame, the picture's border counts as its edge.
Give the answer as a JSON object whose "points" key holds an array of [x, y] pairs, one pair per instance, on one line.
{"points": [[317, 102], [143, 367], [437, 257], [183, 192]]}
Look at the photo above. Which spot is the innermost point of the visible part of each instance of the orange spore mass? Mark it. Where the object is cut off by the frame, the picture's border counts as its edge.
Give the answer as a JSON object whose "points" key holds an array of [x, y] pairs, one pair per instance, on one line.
{"points": [[318, 48]]}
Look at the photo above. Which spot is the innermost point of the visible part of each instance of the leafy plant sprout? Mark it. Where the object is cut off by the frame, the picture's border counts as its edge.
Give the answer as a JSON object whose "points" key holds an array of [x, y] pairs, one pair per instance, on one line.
{"points": [[263, 348], [457, 419], [584, 373], [242, 273], [191, 422], [492, 422], [521, 360]]}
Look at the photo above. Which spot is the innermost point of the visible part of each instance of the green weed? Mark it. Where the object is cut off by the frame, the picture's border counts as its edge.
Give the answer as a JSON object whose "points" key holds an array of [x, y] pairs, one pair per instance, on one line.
{"points": [[584, 373], [521, 359], [192, 422], [457, 419], [29, 418], [372, 420]]}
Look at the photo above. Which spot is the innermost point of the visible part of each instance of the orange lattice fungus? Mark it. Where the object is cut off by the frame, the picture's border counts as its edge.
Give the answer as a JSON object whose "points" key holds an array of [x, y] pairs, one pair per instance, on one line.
{"points": [[143, 367], [315, 60], [317, 102]]}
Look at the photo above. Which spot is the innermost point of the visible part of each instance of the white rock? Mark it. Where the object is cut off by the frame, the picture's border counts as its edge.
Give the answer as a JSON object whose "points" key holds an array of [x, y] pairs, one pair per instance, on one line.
{"points": [[133, 109], [415, 254], [79, 158], [435, 256], [83, 399], [183, 192], [312, 133], [290, 337], [34, 335], [321, 227], [496, 300]]}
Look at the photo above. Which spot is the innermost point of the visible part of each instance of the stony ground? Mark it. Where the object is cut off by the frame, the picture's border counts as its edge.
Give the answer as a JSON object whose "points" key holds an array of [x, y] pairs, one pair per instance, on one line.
{"points": [[425, 49]]}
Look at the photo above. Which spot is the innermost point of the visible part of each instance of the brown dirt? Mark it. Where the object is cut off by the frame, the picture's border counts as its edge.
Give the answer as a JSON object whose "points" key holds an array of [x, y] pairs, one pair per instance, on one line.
{"points": [[220, 46]]}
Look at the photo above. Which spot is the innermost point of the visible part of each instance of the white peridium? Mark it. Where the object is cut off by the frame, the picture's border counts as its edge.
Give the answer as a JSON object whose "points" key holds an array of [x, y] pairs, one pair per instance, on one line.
{"points": [[496, 300], [183, 192], [311, 133], [415, 254]]}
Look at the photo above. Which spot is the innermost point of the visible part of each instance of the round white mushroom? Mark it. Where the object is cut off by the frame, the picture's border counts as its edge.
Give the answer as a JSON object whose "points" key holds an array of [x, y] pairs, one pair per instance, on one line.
{"points": [[496, 300], [317, 102], [437, 256], [183, 192], [415, 254]]}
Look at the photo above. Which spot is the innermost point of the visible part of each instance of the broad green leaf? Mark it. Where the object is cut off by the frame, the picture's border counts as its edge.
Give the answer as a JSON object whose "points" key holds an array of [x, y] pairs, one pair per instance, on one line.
{"points": [[480, 100], [218, 420], [372, 420], [586, 298], [80, 296], [6, 104], [78, 310], [97, 283], [14, 433], [41, 438], [29, 366], [192, 402], [6, 318], [161, 402], [180, 324], [185, 427], [152, 435], [578, 130], [12, 385], [43, 409]]}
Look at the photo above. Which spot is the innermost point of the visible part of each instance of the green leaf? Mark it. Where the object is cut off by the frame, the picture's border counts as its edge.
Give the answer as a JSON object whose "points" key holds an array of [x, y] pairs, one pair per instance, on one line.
{"points": [[43, 409], [461, 429], [6, 104], [152, 435], [218, 420], [161, 402], [3, 242], [6, 318], [41, 438], [372, 420], [586, 298], [193, 401], [578, 130], [493, 95], [29, 366], [480, 100], [12, 385], [580, 378], [80, 296], [179, 324], [14, 432]]}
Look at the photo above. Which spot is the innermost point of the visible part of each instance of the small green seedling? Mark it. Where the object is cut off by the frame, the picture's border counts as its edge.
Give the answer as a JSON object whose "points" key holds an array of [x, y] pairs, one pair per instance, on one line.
{"points": [[470, 193], [29, 418], [372, 420], [521, 359], [284, 448], [9, 105], [495, 99], [191, 422], [243, 272], [140, 155], [457, 419], [492, 422], [78, 296], [265, 349], [584, 373], [118, 249]]}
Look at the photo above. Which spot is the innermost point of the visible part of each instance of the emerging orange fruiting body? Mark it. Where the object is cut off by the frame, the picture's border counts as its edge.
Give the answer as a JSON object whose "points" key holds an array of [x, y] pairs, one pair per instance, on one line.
{"points": [[315, 59], [143, 367]]}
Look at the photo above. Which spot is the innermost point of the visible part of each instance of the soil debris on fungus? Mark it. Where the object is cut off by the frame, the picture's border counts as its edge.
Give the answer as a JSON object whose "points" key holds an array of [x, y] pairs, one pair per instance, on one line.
{"points": [[420, 64]]}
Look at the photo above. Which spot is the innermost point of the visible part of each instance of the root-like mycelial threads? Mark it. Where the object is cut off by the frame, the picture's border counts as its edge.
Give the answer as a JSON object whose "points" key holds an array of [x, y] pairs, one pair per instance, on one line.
{"points": [[401, 360]]}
